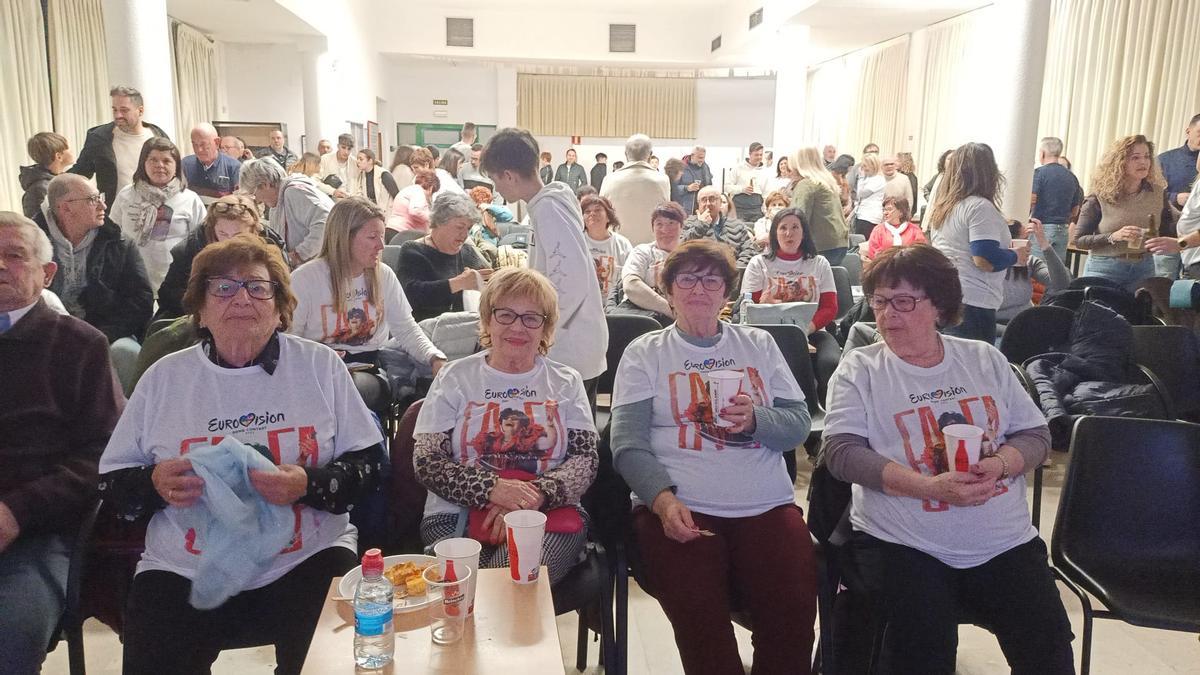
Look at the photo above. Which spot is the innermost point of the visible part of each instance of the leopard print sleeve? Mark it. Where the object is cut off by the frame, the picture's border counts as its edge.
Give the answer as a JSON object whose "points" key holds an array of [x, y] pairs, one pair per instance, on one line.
{"points": [[457, 483], [566, 483]]}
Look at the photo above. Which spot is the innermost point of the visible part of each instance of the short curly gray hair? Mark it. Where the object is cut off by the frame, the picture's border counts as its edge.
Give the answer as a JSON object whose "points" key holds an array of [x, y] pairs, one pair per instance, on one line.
{"points": [[450, 205], [263, 172]]}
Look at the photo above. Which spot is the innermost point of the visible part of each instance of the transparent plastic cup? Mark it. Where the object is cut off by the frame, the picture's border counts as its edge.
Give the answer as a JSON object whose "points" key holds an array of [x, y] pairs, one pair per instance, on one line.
{"points": [[447, 605], [723, 385], [457, 554]]}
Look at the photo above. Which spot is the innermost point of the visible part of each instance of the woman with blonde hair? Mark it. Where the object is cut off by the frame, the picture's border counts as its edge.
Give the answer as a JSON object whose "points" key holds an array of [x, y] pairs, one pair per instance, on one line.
{"points": [[966, 225], [1127, 205], [816, 194], [869, 194], [309, 165], [348, 299]]}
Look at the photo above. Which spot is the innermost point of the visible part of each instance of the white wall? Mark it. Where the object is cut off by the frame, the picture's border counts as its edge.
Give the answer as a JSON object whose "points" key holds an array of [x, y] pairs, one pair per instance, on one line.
{"points": [[262, 84], [469, 89], [735, 111]]}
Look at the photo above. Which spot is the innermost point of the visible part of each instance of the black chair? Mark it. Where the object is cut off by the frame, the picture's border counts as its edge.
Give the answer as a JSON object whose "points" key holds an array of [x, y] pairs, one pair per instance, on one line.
{"points": [[623, 329], [825, 359], [391, 257], [794, 345], [854, 266], [1126, 530], [70, 626], [587, 588], [1037, 330], [1173, 355], [845, 295]]}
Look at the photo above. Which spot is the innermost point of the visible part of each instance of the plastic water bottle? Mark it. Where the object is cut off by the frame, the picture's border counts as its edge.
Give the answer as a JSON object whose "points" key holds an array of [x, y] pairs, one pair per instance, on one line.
{"points": [[374, 636], [747, 298]]}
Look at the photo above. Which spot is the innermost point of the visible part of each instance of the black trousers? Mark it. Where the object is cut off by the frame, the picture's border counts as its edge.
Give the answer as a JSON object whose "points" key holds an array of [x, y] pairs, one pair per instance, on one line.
{"points": [[922, 601], [165, 634]]}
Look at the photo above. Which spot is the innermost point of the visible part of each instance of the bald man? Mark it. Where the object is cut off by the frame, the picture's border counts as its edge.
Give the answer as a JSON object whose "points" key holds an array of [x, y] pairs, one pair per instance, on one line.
{"points": [[210, 173]]}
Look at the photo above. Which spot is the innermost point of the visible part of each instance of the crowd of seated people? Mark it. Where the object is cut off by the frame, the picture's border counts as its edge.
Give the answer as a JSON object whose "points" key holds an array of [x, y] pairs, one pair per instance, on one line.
{"points": [[272, 271]]}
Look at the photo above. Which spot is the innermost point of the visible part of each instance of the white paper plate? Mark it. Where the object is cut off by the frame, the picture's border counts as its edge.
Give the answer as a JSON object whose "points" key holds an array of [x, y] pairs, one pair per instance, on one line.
{"points": [[349, 582]]}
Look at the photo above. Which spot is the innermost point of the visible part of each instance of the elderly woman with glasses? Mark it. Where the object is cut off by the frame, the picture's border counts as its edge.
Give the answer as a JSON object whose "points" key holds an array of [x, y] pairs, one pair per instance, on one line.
{"points": [[436, 269], [702, 413], [507, 429], [227, 217], [280, 397], [936, 536], [298, 206]]}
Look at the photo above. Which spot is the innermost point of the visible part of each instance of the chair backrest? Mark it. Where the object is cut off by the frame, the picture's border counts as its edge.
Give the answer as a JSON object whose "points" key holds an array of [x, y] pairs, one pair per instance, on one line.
{"points": [[516, 239], [1037, 330], [1172, 354], [1130, 498], [607, 499], [406, 504], [407, 235], [794, 345], [854, 267], [622, 330], [845, 296], [391, 257]]}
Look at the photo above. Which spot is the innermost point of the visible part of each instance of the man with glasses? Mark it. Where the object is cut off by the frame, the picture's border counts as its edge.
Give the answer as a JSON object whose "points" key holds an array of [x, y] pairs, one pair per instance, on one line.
{"points": [[101, 277], [711, 222], [338, 169]]}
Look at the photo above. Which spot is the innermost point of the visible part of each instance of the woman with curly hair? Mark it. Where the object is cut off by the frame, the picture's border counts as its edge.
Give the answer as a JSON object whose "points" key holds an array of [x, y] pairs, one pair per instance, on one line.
{"points": [[1127, 205]]}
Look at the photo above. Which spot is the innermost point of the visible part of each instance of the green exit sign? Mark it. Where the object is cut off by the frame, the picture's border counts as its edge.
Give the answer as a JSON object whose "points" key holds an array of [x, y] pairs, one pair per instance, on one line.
{"points": [[441, 101]]}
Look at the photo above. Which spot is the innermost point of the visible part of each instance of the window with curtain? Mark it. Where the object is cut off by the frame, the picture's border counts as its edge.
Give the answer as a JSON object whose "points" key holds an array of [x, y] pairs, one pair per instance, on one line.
{"points": [[25, 79], [557, 105], [78, 67], [195, 80], [859, 98]]}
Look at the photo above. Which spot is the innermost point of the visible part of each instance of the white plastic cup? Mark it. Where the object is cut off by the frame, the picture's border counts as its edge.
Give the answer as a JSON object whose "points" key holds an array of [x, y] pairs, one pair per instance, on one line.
{"points": [[458, 554], [967, 437], [723, 385], [447, 606], [1021, 245], [524, 530]]}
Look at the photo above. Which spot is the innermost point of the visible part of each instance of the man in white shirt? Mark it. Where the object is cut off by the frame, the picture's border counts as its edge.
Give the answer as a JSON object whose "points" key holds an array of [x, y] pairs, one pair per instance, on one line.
{"points": [[746, 188], [340, 164], [110, 151]]}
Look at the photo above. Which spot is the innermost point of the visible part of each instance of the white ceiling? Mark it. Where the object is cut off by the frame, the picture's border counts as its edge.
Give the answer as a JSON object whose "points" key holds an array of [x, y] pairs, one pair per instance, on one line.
{"points": [[261, 21], [840, 26]]}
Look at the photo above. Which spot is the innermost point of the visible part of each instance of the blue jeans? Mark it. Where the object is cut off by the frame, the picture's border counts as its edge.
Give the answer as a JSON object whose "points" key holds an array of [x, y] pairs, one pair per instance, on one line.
{"points": [[33, 590], [1128, 273], [977, 324], [1057, 235], [1167, 266]]}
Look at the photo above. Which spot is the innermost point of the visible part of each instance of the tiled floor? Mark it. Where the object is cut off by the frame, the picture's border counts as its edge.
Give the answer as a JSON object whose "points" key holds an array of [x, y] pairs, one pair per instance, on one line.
{"points": [[1118, 648]]}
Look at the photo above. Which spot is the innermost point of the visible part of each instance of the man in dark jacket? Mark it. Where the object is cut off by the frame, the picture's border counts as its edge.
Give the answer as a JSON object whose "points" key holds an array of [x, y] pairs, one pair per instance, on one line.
{"points": [[599, 170], [711, 222], [101, 278], [278, 150], [571, 173], [58, 406], [696, 175], [110, 151]]}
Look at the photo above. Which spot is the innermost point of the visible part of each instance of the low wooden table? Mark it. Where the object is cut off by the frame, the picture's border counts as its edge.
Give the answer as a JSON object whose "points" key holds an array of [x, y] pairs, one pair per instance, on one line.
{"points": [[513, 631]]}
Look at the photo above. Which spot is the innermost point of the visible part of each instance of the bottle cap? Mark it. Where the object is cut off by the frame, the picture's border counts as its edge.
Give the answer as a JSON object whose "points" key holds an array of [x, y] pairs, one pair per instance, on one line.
{"points": [[372, 563]]}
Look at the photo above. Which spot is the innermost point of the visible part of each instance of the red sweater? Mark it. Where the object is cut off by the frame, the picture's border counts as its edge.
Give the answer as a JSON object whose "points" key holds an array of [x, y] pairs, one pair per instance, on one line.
{"points": [[827, 305]]}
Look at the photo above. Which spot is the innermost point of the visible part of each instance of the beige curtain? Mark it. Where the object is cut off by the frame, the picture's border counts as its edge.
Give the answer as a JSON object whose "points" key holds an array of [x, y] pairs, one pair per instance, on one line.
{"points": [[556, 105], [195, 80], [24, 79], [78, 67], [859, 98], [1120, 67]]}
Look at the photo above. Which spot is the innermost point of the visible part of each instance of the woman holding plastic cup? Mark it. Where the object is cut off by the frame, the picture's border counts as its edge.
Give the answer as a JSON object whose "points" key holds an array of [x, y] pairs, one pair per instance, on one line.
{"points": [[941, 529], [508, 430], [702, 412]]}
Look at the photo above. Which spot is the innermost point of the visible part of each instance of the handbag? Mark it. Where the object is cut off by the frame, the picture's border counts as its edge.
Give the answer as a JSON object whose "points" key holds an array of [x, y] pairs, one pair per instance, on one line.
{"points": [[563, 520]]}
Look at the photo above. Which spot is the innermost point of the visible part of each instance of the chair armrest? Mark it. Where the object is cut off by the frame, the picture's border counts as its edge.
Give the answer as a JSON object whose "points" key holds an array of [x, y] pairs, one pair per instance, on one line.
{"points": [[1163, 394]]}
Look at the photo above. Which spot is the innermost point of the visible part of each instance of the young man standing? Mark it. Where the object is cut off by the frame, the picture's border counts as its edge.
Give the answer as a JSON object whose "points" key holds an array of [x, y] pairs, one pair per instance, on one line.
{"points": [[110, 151], [558, 250]]}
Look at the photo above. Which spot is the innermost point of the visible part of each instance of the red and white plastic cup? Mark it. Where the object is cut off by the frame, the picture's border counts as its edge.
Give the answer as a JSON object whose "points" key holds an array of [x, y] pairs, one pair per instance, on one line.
{"points": [[723, 385], [454, 556], [963, 442], [524, 531]]}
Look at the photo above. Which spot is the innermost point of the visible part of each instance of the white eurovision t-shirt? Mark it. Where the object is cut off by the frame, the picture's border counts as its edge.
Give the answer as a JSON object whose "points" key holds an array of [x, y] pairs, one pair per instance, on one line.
{"points": [[307, 413], [503, 421], [715, 472], [645, 261], [900, 409], [609, 257], [974, 219], [789, 280], [359, 328]]}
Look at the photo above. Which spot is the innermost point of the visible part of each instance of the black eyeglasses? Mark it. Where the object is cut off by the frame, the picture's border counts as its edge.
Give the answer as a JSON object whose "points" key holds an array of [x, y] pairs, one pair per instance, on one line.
{"points": [[96, 199], [901, 303], [232, 208], [224, 287], [710, 282], [507, 317]]}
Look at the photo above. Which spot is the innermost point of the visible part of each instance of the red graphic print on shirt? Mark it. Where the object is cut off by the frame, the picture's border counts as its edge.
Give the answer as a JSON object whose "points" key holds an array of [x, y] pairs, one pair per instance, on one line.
{"points": [[695, 414]]}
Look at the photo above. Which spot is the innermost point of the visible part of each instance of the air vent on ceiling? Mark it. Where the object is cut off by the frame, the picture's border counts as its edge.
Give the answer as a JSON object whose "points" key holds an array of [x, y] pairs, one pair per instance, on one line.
{"points": [[716, 44], [460, 32], [622, 37], [755, 18]]}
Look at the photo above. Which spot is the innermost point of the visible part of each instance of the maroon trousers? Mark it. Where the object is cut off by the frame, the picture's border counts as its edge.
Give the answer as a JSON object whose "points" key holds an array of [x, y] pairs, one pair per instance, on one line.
{"points": [[765, 562]]}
